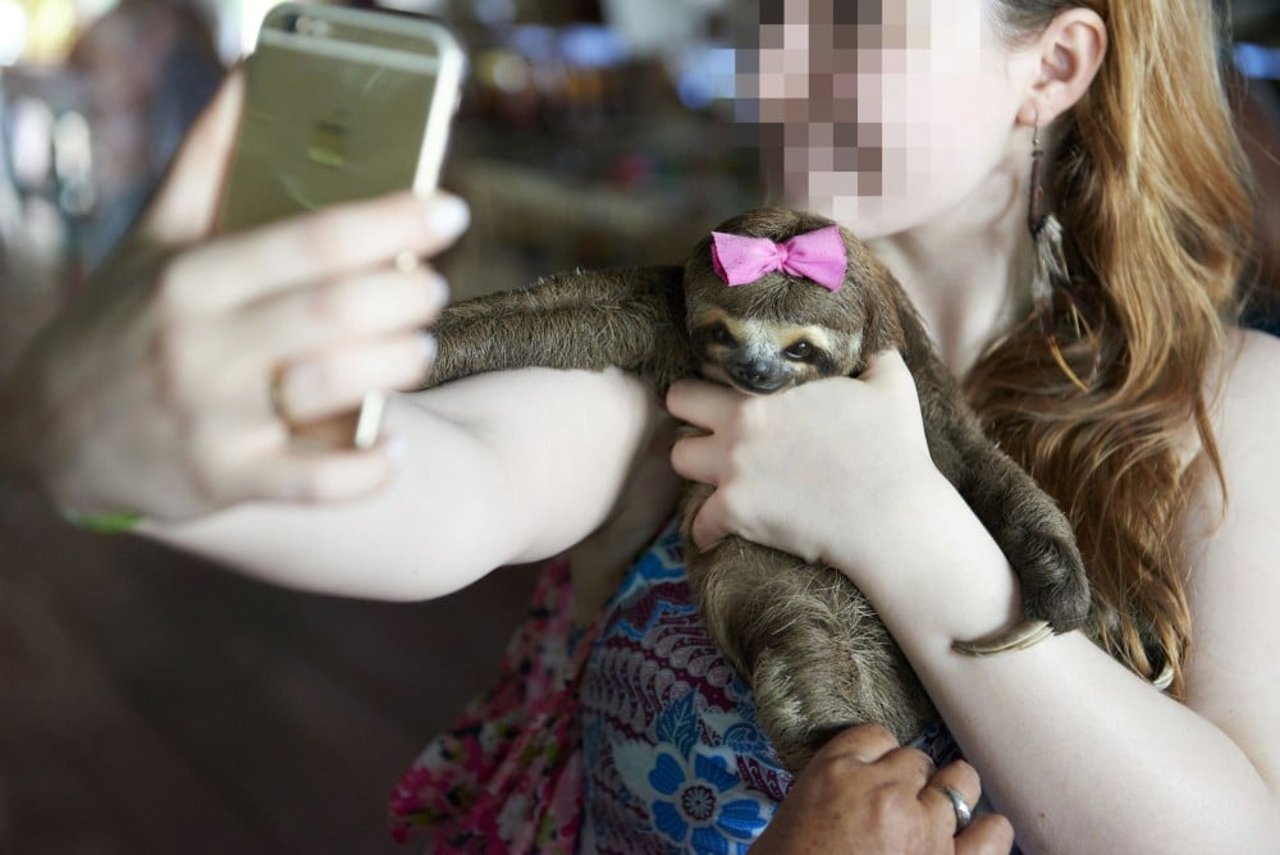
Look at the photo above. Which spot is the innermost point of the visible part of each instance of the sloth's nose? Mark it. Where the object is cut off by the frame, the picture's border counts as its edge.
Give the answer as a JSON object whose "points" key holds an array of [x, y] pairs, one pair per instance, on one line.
{"points": [[756, 373]]}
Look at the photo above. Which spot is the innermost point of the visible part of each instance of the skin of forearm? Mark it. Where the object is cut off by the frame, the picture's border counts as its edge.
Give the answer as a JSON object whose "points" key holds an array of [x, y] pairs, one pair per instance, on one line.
{"points": [[498, 469], [1079, 753], [429, 532]]}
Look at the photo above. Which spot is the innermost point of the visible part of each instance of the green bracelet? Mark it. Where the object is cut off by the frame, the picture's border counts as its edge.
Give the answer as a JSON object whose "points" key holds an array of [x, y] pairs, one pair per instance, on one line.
{"points": [[104, 523]]}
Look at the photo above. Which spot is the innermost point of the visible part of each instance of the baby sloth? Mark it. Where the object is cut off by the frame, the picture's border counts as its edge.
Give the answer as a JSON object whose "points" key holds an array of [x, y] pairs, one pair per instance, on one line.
{"points": [[772, 300]]}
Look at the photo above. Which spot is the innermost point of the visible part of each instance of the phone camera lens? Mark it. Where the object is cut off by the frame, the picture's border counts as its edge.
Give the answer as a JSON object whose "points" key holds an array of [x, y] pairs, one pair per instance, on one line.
{"points": [[290, 22]]}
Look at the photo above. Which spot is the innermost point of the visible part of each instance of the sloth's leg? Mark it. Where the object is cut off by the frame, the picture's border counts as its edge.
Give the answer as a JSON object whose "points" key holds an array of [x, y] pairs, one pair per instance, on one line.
{"points": [[817, 657], [631, 319], [1032, 532], [1026, 523]]}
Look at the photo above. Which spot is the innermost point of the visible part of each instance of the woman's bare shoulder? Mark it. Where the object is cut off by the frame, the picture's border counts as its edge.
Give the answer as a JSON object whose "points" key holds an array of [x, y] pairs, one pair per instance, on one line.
{"points": [[1243, 397], [1243, 401], [1233, 589], [1246, 377]]}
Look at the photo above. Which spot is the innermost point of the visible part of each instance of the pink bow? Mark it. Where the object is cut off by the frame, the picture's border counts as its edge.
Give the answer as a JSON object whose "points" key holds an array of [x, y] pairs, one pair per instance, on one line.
{"points": [[818, 255]]}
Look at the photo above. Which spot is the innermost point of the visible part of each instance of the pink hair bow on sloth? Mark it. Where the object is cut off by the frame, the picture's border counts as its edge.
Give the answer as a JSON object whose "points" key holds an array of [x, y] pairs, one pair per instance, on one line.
{"points": [[818, 255]]}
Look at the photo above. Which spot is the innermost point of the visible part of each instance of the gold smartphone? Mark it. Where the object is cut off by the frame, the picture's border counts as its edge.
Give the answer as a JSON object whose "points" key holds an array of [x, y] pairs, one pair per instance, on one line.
{"points": [[341, 104]]}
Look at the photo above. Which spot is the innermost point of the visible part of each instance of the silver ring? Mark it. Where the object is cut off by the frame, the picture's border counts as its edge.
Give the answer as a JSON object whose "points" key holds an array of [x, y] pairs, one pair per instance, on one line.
{"points": [[964, 813]]}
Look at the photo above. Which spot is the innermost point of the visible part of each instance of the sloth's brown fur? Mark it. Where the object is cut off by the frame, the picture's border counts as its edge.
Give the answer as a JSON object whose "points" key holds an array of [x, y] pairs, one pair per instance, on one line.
{"points": [[816, 655]]}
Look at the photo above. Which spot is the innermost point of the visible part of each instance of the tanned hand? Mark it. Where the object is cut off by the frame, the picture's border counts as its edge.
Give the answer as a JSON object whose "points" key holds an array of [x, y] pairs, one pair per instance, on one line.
{"points": [[864, 794]]}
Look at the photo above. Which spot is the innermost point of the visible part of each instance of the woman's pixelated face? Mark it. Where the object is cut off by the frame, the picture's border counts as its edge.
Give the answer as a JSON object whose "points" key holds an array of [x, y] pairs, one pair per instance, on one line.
{"points": [[879, 113]]}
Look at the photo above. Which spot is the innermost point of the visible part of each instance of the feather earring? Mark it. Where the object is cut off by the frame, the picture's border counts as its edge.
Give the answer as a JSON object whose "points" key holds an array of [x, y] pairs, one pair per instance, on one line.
{"points": [[1049, 274]]}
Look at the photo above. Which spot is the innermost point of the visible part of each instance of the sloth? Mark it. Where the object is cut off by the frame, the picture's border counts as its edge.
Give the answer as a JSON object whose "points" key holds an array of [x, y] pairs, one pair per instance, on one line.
{"points": [[776, 298]]}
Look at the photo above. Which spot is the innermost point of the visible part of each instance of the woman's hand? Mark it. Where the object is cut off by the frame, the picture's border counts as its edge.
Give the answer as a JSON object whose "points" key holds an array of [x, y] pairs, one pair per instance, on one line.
{"points": [[792, 469], [862, 793], [152, 392]]}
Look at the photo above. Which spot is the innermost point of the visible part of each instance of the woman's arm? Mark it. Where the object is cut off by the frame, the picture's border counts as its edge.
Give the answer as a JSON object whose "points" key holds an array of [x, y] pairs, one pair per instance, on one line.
{"points": [[150, 393], [496, 469], [1084, 756], [1081, 755], [1232, 566]]}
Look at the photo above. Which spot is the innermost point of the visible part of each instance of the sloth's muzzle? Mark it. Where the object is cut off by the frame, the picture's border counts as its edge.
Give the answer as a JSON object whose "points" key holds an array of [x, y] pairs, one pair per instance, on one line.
{"points": [[756, 375]]}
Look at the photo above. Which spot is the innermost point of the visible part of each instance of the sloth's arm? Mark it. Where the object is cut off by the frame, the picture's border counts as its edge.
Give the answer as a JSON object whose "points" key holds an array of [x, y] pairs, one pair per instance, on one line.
{"points": [[632, 319]]}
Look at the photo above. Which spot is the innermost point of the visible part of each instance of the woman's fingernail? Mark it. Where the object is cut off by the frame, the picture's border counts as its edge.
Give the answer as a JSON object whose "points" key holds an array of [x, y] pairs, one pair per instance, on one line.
{"points": [[439, 289], [448, 215], [429, 346]]}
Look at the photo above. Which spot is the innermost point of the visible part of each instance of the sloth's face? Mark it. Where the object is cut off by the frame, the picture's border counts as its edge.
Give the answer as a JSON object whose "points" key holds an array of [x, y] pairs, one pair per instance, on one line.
{"points": [[762, 356]]}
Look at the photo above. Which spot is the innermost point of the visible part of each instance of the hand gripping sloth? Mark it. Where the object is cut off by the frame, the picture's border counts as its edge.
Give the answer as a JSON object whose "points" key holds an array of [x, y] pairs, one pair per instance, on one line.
{"points": [[773, 299]]}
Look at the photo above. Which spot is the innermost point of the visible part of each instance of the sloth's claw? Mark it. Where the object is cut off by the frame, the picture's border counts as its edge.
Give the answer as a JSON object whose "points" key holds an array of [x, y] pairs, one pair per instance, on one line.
{"points": [[1026, 634]]}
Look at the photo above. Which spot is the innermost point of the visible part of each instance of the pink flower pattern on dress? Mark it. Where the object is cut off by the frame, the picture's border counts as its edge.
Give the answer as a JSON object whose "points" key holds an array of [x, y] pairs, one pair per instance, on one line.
{"points": [[507, 776]]}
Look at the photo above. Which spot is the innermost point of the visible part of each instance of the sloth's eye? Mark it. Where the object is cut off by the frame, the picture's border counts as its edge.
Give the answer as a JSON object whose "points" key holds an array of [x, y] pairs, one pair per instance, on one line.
{"points": [[799, 351], [720, 335]]}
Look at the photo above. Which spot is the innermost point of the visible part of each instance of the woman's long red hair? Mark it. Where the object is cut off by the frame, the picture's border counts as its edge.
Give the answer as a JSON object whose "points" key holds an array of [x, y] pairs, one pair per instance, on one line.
{"points": [[1150, 185]]}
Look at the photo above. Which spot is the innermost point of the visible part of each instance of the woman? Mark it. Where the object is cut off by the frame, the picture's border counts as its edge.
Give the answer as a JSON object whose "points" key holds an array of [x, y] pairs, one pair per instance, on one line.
{"points": [[921, 142]]}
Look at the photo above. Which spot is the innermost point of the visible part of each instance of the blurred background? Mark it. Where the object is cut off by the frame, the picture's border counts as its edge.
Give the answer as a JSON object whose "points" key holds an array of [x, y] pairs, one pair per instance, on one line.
{"points": [[150, 703]]}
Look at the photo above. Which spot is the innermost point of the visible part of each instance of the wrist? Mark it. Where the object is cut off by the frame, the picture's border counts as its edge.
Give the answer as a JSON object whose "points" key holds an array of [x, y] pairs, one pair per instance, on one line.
{"points": [[890, 528], [936, 575], [20, 454]]}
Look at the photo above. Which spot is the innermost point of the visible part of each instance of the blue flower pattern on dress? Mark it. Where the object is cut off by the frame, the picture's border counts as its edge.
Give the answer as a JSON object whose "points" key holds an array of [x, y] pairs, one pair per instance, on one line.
{"points": [[695, 796], [697, 812]]}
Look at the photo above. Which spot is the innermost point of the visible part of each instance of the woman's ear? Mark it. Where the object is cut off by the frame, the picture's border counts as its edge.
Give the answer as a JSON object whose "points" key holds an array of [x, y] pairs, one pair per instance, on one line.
{"points": [[1070, 52]]}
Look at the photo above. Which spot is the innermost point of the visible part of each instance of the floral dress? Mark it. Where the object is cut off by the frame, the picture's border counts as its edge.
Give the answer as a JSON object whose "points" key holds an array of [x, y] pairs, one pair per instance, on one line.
{"points": [[634, 735]]}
